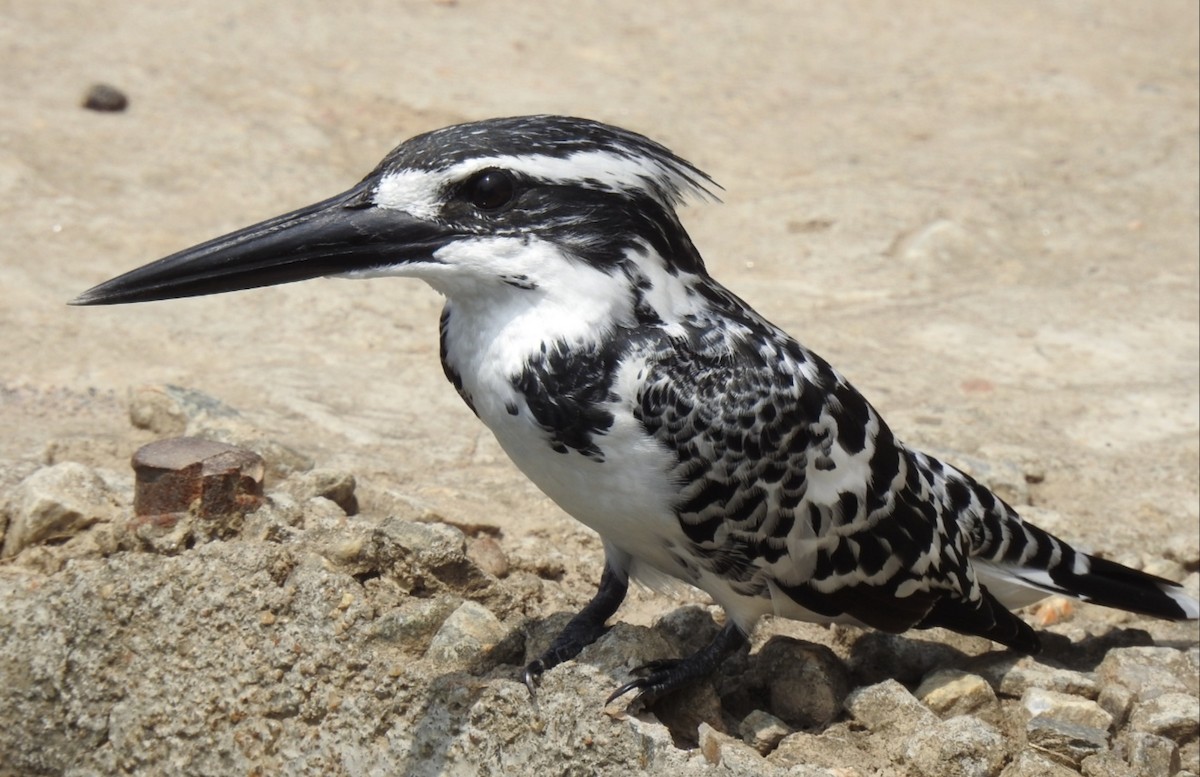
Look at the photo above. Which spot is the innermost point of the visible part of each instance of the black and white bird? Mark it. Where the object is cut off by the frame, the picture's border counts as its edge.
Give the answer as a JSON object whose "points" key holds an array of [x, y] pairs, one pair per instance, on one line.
{"points": [[652, 404]]}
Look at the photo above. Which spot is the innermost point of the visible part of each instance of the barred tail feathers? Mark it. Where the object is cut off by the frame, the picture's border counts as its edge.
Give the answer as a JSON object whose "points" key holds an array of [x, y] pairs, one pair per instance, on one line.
{"points": [[1040, 564]]}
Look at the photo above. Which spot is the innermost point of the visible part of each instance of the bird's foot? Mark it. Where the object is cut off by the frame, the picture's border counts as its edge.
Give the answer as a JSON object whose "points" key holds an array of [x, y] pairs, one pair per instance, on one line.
{"points": [[582, 630], [666, 675]]}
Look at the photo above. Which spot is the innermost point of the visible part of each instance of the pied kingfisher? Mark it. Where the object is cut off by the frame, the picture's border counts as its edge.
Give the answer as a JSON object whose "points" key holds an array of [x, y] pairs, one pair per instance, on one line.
{"points": [[652, 404]]}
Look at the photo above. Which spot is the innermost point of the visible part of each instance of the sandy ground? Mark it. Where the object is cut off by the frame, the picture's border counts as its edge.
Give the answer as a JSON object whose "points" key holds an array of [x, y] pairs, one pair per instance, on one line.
{"points": [[986, 215]]}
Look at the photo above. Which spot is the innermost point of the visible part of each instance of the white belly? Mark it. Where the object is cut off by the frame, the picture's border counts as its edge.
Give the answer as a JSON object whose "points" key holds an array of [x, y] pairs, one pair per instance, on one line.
{"points": [[626, 498]]}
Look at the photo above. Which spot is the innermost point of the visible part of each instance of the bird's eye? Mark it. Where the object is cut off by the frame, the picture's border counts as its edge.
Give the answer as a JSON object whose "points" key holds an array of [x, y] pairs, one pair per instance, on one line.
{"points": [[490, 189]]}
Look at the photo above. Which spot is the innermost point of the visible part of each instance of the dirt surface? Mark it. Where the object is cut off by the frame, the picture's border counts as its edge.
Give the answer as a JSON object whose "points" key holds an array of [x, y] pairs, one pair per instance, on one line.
{"points": [[985, 215]]}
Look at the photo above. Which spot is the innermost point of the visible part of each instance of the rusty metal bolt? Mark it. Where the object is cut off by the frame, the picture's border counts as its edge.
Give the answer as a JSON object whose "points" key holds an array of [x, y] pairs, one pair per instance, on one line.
{"points": [[206, 478]]}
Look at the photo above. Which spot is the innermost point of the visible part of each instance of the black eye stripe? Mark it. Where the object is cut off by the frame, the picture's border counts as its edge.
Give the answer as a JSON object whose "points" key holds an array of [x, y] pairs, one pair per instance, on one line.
{"points": [[489, 190]]}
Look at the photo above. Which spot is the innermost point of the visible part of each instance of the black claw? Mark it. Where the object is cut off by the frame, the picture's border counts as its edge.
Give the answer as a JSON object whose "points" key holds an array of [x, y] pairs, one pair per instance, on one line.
{"points": [[657, 680], [624, 689], [653, 674], [533, 676]]}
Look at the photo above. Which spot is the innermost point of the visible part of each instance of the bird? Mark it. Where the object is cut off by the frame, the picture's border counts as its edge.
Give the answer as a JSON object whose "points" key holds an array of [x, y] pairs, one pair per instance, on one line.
{"points": [[699, 440]]}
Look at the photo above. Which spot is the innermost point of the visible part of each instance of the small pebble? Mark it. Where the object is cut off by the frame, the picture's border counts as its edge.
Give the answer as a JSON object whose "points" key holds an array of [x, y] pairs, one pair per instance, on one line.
{"points": [[487, 554], [763, 731], [466, 637], [105, 99], [950, 692]]}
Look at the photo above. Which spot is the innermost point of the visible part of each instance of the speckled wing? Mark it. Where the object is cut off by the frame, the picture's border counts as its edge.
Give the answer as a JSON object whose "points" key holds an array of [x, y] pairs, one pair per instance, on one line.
{"points": [[790, 485]]}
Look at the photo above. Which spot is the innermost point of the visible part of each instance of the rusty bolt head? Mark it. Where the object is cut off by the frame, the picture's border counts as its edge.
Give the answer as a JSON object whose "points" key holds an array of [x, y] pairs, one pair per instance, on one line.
{"points": [[209, 479]]}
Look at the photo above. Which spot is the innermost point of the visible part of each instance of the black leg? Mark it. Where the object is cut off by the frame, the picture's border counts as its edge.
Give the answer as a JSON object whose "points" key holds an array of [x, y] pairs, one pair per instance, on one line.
{"points": [[669, 674], [584, 629]]}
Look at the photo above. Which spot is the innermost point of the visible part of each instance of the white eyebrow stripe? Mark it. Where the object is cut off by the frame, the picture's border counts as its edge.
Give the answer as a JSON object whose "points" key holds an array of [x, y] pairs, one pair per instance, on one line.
{"points": [[421, 192], [417, 192]]}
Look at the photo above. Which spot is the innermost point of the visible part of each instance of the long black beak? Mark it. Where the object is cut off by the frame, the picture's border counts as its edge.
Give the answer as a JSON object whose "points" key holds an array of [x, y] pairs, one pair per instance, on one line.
{"points": [[344, 234]]}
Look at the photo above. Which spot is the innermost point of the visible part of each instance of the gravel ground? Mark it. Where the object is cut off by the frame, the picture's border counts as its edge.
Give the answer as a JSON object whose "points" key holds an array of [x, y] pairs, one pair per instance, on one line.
{"points": [[986, 215]]}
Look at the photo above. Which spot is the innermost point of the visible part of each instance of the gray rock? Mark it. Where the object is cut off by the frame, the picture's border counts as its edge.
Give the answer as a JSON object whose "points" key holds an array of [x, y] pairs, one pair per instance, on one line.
{"points": [[335, 485], [951, 692], [467, 637], [1117, 701], [1107, 764], [830, 750], [876, 656], [690, 627], [170, 411], [54, 503], [1070, 742], [1065, 707], [1149, 755], [413, 623], [1149, 671], [888, 706], [423, 557], [1012, 675], [958, 747], [1173, 715], [734, 756], [485, 553], [685, 710], [805, 684], [712, 743], [1030, 763], [762, 731]]}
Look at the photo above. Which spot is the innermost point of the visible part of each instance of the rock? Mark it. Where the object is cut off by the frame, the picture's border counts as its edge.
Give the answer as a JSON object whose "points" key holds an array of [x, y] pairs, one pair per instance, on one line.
{"points": [[691, 627], [762, 731], [413, 624], [958, 747], [888, 706], [170, 411], [1062, 706], [686, 709], [951, 692], [164, 410], [1117, 701], [1012, 675], [1070, 742], [712, 742], [1030, 763], [1173, 715], [805, 684], [487, 554], [735, 757], [335, 485], [876, 656], [54, 503], [467, 637], [830, 750], [1149, 671], [423, 557], [1150, 755], [1107, 764], [105, 99]]}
